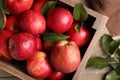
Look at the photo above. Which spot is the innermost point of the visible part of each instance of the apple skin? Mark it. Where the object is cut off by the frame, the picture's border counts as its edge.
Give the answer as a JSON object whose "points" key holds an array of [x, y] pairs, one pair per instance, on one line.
{"points": [[65, 56], [5, 34], [39, 43], [4, 52], [47, 46], [38, 4], [59, 20], [33, 22], [18, 6], [37, 66], [56, 75], [12, 23], [81, 37], [22, 46]]}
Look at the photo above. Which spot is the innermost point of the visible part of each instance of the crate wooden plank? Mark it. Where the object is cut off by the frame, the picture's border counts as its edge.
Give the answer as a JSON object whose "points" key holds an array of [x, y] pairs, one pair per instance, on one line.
{"points": [[9, 78], [4, 74]]}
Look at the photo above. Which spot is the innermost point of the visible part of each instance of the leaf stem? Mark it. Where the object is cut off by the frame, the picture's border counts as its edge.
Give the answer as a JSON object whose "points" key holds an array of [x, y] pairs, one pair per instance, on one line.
{"points": [[113, 56]]}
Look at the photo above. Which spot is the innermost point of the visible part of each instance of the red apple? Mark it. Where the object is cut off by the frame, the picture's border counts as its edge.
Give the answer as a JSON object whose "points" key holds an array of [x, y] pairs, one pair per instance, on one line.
{"points": [[4, 37], [12, 24], [38, 4], [47, 46], [65, 56], [39, 44], [18, 6], [33, 22], [22, 46], [5, 34], [81, 37], [59, 20], [56, 75], [37, 66]]}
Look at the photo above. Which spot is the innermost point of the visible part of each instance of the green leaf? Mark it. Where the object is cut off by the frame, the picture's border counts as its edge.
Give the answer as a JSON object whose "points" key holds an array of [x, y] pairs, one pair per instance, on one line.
{"points": [[54, 37], [118, 69], [112, 62], [97, 62], [1, 21], [117, 54], [106, 40], [118, 78], [80, 13], [111, 75], [3, 7], [114, 45], [48, 6]]}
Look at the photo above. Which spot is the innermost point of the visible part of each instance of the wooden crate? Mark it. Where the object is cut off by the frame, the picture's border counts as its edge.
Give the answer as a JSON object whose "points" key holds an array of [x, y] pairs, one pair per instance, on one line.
{"points": [[97, 22], [6, 76]]}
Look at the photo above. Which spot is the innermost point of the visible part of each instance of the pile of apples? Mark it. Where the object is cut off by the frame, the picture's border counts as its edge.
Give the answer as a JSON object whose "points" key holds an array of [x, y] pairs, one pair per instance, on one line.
{"points": [[27, 35]]}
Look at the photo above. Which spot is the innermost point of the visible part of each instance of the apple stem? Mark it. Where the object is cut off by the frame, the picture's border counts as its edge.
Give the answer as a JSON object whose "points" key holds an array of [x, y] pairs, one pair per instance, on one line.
{"points": [[78, 26]]}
